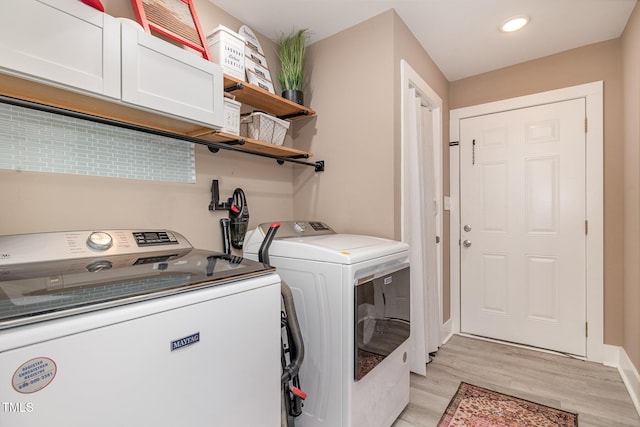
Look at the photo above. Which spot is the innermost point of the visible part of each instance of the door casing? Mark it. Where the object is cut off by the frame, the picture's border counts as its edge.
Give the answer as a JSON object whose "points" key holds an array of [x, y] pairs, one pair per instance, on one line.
{"points": [[410, 79], [593, 94]]}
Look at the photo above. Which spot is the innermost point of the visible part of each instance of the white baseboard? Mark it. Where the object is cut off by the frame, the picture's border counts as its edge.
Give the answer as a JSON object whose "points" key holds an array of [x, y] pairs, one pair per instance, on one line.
{"points": [[446, 332], [610, 355], [630, 377], [617, 357]]}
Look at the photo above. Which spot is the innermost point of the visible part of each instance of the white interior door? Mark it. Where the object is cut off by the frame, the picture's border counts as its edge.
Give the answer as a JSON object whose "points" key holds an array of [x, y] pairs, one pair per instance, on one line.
{"points": [[522, 184]]}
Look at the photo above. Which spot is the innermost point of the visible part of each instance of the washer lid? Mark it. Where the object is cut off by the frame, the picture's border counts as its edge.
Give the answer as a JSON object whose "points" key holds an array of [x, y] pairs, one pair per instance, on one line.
{"points": [[336, 248]]}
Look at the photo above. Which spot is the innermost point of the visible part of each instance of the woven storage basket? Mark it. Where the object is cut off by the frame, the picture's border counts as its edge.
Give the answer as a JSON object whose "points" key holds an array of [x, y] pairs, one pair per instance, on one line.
{"points": [[264, 127]]}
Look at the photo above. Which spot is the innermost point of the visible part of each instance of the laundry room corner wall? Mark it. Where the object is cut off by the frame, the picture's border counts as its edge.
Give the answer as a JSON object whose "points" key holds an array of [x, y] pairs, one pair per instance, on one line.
{"points": [[351, 87], [407, 47], [631, 81]]}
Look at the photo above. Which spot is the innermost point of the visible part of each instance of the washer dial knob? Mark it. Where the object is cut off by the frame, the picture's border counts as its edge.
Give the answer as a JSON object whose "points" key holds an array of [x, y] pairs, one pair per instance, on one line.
{"points": [[99, 266], [100, 241], [299, 227]]}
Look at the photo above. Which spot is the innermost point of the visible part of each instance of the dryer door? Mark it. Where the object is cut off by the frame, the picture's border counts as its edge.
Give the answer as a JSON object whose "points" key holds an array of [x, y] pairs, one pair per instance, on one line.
{"points": [[382, 310]]}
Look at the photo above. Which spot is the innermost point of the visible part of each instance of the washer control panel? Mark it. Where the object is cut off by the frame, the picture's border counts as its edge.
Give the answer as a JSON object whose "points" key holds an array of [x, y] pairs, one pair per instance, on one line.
{"points": [[41, 247], [154, 238]]}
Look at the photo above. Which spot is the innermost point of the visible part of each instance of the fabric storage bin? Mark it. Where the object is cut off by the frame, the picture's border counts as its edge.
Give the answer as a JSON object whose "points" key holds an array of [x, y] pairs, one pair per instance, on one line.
{"points": [[227, 48], [264, 127]]}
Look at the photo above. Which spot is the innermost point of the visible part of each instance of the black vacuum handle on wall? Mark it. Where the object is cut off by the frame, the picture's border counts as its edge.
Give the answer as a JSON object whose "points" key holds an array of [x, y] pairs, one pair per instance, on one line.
{"points": [[238, 205], [226, 236]]}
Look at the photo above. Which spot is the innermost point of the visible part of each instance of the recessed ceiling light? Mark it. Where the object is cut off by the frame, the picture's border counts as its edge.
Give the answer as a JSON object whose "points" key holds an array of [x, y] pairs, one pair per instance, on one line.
{"points": [[514, 24]]}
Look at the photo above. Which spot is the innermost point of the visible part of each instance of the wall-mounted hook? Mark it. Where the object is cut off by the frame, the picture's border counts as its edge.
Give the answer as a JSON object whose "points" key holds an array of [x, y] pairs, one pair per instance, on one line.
{"points": [[215, 204]]}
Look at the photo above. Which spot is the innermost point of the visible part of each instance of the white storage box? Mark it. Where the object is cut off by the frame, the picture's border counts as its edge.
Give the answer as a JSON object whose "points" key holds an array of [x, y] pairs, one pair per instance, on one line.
{"points": [[231, 116], [227, 48], [264, 127]]}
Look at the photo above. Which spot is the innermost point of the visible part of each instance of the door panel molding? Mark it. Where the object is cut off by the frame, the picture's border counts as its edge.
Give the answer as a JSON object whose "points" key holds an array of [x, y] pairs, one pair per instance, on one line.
{"points": [[593, 94]]}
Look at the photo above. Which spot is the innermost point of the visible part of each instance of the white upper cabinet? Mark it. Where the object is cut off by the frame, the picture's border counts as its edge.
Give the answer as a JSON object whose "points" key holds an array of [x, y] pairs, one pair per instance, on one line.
{"points": [[165, 78], [63, 43], [67, 44]]}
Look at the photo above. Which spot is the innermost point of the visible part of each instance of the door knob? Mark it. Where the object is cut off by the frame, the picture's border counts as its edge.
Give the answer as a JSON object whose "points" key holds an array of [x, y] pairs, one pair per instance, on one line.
{"points": [[466, 243], [467, 227]]}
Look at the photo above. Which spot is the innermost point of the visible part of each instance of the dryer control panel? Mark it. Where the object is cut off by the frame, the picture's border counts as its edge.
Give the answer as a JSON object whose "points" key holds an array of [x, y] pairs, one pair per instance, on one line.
{"points": [[298, 229]]}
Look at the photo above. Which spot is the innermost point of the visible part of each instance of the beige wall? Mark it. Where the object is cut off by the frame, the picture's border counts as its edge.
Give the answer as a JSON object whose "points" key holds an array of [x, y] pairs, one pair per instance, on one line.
{"points": [[631, 82], [355, 87], [407, 47], [600, 61], [34, 202], [351, 87]]}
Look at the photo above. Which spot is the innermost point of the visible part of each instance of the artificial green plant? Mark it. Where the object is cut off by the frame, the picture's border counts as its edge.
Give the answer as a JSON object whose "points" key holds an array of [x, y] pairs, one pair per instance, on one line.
{"points": [[291, 50]]}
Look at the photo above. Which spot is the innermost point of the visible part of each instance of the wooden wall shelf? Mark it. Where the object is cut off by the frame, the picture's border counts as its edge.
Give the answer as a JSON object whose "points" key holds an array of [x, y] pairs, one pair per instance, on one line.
{"points": [[243, 144], [265, 100], [61, 101], [253, 144], [33, 94]]}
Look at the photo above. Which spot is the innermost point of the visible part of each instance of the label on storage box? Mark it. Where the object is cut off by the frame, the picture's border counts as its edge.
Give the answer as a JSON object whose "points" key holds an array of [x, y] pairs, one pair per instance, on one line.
{"points": [[258, 69], [255, 56], [254, 79]]}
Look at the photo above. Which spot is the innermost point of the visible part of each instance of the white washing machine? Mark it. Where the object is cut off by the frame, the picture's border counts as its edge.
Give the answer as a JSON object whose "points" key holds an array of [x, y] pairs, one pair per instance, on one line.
{"points": [[135, 328], [352, 300]]}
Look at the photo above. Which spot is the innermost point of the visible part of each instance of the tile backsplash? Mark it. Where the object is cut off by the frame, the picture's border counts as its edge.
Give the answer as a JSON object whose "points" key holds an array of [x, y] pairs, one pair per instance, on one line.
{"points": [[39, 141]]}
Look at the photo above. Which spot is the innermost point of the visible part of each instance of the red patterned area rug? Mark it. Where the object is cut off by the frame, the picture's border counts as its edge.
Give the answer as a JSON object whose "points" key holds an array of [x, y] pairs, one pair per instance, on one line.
{"points": [[474, 406]]}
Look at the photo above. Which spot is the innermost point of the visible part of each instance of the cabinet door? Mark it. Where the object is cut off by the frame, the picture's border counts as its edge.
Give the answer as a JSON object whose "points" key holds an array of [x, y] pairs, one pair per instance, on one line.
{"points": [[168, 79], [61, 42]]}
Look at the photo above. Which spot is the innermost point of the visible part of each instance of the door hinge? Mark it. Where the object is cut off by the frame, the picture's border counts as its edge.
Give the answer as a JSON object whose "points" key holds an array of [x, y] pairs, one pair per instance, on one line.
{"points": [[586, 125], [586, 329], [586, 227]]}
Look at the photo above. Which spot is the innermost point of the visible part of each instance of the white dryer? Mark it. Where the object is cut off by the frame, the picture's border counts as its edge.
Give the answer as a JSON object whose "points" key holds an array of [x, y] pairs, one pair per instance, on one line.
{"points": [[352, 301]]}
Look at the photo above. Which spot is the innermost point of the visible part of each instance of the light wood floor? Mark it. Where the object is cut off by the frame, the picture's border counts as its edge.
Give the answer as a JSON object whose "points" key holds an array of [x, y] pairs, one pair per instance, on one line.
{"points": [[595, 391]]}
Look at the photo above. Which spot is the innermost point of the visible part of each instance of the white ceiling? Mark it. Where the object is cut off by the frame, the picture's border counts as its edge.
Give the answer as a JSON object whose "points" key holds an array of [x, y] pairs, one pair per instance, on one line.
{"points": [[461, 36]]}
